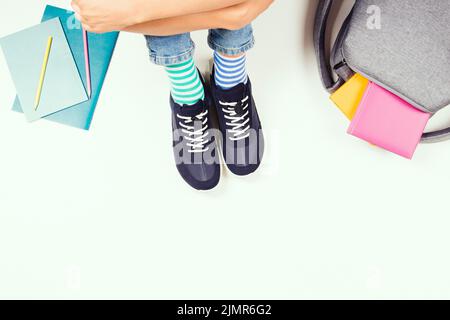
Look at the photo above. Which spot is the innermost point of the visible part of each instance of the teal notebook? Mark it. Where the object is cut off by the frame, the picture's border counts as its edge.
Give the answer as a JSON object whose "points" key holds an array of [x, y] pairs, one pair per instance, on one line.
{"points": [[25, 52], [101, 48]]}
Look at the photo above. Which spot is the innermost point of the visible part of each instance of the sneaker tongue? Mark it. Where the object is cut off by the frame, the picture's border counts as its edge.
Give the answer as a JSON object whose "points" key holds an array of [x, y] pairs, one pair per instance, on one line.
{"points": [[234, 94], [191, 111]]}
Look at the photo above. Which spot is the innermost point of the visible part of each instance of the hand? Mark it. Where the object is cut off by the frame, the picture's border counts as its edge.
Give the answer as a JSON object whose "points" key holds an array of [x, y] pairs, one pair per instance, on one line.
{"points": [[231, 18], [237, 17], [100, 16], [115, 15]]}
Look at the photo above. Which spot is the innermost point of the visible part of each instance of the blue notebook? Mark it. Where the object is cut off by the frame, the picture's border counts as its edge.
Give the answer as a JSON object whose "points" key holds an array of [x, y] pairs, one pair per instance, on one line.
{"points": [[62, 86], [101, 48]]}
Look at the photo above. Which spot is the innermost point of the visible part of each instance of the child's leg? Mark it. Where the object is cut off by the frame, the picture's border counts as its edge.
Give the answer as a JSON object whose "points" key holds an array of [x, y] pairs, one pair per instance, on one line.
{"points": [[176, 54], [193, 144], [231, 89], [229, 55]]}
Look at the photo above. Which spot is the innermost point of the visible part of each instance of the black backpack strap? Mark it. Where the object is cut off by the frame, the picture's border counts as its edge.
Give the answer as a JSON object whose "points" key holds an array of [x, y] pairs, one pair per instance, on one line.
{"points": [[338, 65], [436, 136], [320, 31]]}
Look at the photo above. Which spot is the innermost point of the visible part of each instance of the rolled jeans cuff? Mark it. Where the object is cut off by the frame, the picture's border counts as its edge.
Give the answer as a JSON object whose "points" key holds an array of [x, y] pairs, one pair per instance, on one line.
{"points": [[231, 51], [159, 58], [168, 61]]}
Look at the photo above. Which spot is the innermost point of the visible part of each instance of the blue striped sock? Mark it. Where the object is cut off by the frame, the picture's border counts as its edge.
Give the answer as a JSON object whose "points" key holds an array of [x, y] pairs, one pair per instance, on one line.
{"points": [[229, 72]]}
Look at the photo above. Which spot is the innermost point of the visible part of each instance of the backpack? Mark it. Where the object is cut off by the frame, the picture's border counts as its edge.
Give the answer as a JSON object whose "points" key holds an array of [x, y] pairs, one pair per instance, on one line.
{"points": [[402, 46]]}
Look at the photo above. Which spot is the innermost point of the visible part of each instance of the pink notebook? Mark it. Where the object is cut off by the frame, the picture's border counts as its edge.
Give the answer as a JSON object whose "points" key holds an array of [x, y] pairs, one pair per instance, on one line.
{"points": [[388, 122]]}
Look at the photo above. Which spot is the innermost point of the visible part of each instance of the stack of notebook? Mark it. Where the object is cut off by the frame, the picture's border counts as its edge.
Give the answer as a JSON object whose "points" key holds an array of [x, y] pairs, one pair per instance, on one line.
{"points": [[58, 69], [380, 117]]}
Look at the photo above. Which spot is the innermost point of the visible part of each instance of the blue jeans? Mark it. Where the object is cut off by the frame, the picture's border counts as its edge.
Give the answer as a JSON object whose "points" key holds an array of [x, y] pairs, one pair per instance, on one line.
{"points": [[180, 48]]}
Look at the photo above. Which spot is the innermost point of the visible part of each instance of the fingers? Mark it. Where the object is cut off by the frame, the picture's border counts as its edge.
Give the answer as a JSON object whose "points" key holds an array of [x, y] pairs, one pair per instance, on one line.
{"points": [[85, 21], [77, 10], [78, 17], [97, 28], [79, 13], [76, 7], [93, 29], [87, 27]]}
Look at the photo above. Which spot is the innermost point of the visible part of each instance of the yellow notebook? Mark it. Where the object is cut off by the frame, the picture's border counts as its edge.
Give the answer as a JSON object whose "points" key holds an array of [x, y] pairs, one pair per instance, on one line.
{"points": [[348, 97]]}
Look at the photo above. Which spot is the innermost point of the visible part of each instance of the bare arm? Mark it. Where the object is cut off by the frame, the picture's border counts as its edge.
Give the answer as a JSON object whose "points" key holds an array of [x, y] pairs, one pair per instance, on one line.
{"points": [[158, 9], [108, 15], [234, 17]]}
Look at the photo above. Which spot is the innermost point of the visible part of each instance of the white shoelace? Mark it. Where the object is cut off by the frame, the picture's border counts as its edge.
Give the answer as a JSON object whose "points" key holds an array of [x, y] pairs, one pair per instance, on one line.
{"points": [[239, 124], [196, 135]]}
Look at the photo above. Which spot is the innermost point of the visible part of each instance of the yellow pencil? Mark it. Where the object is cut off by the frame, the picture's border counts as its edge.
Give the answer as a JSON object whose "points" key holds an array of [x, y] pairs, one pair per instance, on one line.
{"points": [[43, 70]]}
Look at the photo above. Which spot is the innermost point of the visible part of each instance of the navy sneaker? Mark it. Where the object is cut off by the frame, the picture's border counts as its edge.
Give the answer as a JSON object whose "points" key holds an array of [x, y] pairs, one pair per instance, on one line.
{"points": [[242, 136], [194, 144]]}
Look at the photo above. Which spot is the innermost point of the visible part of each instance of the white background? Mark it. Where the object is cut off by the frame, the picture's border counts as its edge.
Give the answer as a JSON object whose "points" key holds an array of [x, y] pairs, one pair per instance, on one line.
{"points": [[104, 214]]}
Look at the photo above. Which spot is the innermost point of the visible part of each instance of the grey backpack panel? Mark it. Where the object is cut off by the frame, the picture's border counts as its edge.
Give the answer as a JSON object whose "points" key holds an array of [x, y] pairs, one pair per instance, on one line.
{"points": [[410, 52], [409, 55]]}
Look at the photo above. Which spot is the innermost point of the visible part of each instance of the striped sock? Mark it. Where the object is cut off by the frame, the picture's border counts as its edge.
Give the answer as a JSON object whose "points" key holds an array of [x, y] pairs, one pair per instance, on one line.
{"points": [[229, 72], [187, 88]]}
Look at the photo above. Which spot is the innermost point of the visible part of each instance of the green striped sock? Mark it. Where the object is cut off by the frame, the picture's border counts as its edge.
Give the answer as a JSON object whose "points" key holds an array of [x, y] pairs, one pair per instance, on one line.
{"points": [[187, 88]]}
